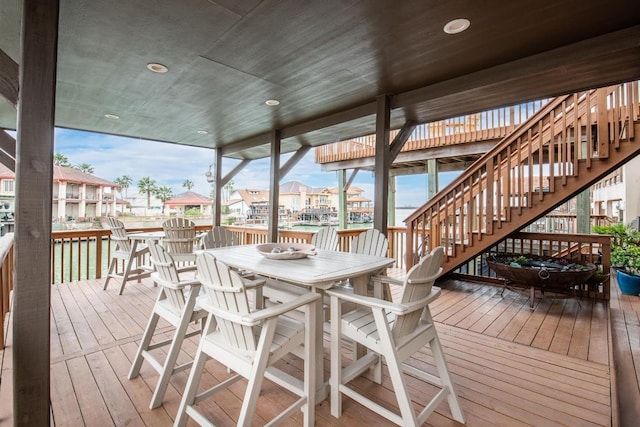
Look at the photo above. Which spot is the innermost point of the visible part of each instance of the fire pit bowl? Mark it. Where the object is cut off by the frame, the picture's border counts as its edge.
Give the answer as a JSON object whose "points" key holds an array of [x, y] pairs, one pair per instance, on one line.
{"points": [[541, 272]]}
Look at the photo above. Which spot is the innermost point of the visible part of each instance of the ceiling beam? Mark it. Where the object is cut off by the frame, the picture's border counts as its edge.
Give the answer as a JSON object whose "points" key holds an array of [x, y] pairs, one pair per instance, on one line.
{"points": [[7, 144], [329, 120], [583, 65], [504, 82], [233, 172], [9, 78], [401, 138], [297, 156]]}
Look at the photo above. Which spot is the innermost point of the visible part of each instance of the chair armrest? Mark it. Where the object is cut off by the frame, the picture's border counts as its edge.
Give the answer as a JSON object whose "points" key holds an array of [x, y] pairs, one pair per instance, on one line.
{"points": [[255, 318], [379, 278], [392, 307], [367, 301], [174, 285], [279, 309]]}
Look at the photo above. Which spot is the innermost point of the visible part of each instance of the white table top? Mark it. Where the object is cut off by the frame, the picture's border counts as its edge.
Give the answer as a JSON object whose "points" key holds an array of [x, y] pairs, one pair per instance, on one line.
{"points": [[151, 235], [319, 271]]}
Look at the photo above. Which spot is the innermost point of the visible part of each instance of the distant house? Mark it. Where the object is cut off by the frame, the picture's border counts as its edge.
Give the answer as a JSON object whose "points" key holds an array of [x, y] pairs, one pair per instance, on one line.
{"points": [[76, 194], [190, 200], [297, 197], [247, 204]]}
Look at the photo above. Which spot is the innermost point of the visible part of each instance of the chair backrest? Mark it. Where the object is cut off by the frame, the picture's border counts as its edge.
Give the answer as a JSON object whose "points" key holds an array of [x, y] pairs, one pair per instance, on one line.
{"points": [[417, 285], [179, 235], [370, 242], [227, 292], [166, 274], [219, 237], [326, 238], [119, 235]]}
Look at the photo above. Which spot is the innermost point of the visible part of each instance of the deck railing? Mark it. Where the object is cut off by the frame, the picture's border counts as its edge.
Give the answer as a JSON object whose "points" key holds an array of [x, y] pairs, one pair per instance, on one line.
{"points": [[85, 254], [488, 125], [6, 279], [591, 248]]}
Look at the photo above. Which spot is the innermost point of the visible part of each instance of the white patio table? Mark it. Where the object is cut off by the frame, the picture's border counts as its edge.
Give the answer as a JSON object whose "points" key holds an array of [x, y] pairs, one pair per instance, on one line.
{"points": [[318, 272]]}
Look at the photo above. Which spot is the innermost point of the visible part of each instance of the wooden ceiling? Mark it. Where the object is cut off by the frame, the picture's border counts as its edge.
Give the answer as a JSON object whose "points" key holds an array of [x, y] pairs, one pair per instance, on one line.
{"points": [[325, 61]]}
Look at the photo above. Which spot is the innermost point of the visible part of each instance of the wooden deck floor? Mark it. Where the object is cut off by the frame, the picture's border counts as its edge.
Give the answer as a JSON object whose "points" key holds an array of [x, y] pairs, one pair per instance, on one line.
{"points": [[512, 366]]}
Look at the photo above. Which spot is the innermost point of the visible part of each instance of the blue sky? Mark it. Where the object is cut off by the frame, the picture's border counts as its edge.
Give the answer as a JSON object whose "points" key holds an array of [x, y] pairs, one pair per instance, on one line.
{"points": [[171, 164]]}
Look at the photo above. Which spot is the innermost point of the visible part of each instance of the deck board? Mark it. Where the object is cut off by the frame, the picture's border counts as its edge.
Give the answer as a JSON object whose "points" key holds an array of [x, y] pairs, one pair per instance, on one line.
{"points": [[501, 382]]}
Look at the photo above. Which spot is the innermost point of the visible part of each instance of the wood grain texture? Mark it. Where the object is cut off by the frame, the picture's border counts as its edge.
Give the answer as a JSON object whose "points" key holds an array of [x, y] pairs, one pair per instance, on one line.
{"points": [[500, 383], [8, 78]]}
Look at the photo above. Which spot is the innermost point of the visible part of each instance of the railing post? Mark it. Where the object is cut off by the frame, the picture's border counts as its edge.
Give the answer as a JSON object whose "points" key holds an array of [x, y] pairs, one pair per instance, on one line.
{"points": [[98, 256]]}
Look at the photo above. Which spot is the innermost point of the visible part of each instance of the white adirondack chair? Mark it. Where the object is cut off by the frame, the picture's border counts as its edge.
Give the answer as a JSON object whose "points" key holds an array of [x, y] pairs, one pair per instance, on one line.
{"points": [[326, 238], [181, 241], [123, 252], [219, 237], [373, 242], [176, 303], [249, 343], [394, 331]]}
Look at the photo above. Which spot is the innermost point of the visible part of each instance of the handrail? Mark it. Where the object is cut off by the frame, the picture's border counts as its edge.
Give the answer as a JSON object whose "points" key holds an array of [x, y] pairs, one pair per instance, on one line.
{"points": [[512, 179], [6, 278]]}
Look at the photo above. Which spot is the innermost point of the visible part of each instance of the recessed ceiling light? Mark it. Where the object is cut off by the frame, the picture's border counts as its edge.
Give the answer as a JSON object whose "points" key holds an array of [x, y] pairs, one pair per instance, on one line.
{"points": [[112, 116], [272, 102], [456, 26], [157, 68], [202, 132]]}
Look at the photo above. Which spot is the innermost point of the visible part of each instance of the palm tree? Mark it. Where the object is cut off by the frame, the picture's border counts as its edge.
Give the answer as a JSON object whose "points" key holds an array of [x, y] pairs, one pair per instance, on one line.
{"points": [[163, 193], [188, 184], [60, 160], [84, 167], [124, 182], [147, 185]]}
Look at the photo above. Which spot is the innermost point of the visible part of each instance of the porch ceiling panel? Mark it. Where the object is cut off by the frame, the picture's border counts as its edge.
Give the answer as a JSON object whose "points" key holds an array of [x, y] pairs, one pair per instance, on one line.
{"points": [[321, 59]]}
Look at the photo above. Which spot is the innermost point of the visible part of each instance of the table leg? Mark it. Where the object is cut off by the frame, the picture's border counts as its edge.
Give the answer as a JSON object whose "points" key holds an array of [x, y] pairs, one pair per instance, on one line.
{"points": [[322, 392]]}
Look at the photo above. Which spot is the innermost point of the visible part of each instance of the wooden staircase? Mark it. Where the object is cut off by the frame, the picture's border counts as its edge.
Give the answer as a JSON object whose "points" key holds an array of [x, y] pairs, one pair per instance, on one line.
{"points": [[571, 143]]}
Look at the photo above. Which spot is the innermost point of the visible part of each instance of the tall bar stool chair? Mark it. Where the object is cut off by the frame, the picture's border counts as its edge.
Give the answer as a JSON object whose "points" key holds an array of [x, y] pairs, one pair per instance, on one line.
{"points": [[176, 303], [249, 342], [393, 332], [181, 242], [124, 251]]}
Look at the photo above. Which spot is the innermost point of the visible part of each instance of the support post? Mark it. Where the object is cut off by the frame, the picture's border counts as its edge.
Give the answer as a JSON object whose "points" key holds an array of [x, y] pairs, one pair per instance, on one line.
{"points": [[342, 199], [383, 155], [217, 187], [583, 212], [392, 201], [274, 187], [432, 175], [34, 177]]}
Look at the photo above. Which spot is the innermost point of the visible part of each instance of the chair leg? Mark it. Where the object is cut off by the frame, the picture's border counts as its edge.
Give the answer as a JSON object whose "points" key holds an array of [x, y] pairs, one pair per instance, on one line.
{"points": [[172, 357], [400, 389], [191, 389], [336, 358], [254, 385], [112, 267], [144, 345], [445, 377], [125, 275]]}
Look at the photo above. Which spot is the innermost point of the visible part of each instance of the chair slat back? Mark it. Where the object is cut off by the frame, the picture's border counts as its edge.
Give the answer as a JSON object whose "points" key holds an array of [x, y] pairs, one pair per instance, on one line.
{"points": [[119, 235], [180, 235], [326, 238], [370, 242], [417, 285], [227, 292], [219, 237], [165, 274]]}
